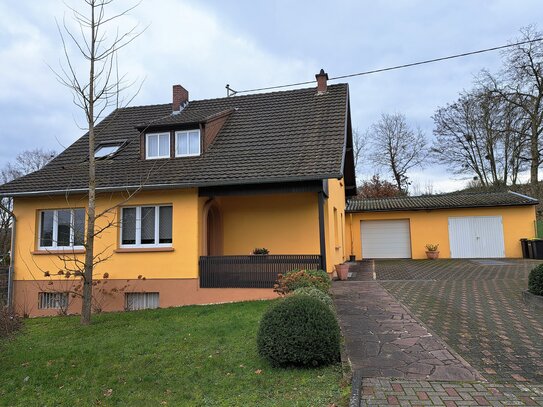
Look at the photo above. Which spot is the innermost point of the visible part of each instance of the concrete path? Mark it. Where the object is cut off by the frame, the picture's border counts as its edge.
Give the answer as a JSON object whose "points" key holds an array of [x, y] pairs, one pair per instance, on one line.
{"points": [[384, 340]]}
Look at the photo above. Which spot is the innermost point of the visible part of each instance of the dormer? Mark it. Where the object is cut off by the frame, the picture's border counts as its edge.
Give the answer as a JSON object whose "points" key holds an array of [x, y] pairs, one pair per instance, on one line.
{"points": [[186, 132]]}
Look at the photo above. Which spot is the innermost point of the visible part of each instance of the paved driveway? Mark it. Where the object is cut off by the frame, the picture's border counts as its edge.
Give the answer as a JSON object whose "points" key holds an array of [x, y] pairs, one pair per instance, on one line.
{"points": [[476, 307]]}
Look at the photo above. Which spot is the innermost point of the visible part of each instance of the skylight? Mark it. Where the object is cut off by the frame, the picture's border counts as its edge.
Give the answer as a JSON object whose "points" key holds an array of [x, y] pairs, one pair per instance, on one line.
{"points": [[106, 150]]}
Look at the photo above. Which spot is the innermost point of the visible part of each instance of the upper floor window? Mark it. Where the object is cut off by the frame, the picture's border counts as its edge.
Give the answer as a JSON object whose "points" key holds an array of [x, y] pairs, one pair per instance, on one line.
{"points": [[187, 143], [157, 145], [107, 150], [62, 229], [146, 226]]}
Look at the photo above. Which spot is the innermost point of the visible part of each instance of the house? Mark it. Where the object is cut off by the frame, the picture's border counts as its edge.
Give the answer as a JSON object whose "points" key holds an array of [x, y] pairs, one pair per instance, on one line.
{"points": [[188, 189], [469, 225]]}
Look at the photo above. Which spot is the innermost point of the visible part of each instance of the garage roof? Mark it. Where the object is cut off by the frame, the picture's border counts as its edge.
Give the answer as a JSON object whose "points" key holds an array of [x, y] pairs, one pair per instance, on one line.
{"points": [[444, 201]]}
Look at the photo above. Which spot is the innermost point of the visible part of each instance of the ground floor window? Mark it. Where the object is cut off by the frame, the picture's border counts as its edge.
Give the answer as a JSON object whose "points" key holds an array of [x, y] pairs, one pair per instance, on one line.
{"points": [[62, 229], [146, 226], [137, 301]]}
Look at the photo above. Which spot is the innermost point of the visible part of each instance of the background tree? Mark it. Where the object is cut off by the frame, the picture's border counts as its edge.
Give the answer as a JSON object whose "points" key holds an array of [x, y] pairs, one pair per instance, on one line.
{"points": [[359, 148], [95, 91], [26, 162], [520, 83], [376, 187], [397, 147], [481, 135]]}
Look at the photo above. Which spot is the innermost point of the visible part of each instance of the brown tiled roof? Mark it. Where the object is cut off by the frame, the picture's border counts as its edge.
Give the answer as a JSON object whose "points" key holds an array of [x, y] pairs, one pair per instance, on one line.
{"points": [[269, 137], [445, 201]]}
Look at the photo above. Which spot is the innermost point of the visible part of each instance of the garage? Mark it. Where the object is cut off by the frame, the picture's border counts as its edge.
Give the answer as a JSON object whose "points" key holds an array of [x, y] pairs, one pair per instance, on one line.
{"points": [[385, 239], [462, 225], [476, 237]]}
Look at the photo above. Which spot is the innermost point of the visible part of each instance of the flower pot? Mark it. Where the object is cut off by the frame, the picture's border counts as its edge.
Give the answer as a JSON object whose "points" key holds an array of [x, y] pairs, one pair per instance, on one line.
{"points": [[432, 255], [342, 271]]}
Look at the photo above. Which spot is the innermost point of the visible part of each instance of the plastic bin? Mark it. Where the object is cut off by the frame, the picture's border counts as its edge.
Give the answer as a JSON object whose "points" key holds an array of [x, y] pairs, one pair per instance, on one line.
{"points": [[524, 246], [537, 247]]}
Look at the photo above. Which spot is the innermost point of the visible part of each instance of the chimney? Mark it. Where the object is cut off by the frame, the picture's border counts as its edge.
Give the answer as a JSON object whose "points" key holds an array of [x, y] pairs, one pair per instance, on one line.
{"points": [[322, 84], [180, 98]]}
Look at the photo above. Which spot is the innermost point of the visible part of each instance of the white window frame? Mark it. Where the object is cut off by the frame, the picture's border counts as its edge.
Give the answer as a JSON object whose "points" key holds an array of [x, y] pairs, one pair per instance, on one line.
{"points": [[138, 243], [186, 133], [105, 145], [55, 230], [52, 300], [147, 157]]}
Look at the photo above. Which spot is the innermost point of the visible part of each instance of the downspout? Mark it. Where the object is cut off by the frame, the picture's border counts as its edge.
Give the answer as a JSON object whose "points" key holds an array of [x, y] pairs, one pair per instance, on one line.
{"points": [[11, 256], [322, 236]]}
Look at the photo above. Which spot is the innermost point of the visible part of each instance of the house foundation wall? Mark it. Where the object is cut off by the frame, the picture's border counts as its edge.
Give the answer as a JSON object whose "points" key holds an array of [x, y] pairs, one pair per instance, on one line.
{"points": [[109, 295]]}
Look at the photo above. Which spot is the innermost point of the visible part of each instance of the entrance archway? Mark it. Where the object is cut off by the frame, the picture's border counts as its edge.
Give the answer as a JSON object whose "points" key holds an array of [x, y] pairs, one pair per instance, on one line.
{"points": [[212, 244]]}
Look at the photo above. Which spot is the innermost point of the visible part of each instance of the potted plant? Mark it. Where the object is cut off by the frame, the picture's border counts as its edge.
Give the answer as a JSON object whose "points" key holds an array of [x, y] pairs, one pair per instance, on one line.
{"points": [[431, 251], [342, 271], [261, 251]]}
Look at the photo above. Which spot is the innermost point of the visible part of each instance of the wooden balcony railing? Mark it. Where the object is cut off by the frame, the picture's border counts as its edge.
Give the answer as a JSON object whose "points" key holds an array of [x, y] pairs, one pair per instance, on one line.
{"points": [[256, 271]]}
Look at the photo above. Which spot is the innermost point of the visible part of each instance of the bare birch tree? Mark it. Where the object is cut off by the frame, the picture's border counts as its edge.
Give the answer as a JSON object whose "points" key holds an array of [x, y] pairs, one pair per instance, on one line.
{"points": [[96, 89], [397, 147]]}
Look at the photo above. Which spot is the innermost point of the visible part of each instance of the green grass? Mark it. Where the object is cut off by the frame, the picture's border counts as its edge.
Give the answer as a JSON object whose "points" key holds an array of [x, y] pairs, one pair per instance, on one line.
{"points": [[197, 356]]}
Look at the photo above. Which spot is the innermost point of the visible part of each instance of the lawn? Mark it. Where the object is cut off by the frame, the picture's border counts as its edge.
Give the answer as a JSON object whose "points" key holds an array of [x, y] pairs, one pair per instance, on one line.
{"points": [[197, 356]]}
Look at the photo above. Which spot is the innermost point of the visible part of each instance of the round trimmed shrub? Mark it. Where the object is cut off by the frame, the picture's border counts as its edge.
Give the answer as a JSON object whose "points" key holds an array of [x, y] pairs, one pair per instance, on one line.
{"points": [[299, 331], [316, 293], [295, 279], [535, 280]]}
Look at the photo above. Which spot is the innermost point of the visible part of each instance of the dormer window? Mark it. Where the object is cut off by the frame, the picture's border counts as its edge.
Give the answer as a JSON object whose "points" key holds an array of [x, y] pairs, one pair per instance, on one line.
{"points": [[157, 145], [187, 143]]}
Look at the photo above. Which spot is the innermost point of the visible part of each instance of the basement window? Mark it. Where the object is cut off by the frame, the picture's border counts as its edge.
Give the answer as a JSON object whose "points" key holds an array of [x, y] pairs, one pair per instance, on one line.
{"points": [[138, 301], [52, 300]]}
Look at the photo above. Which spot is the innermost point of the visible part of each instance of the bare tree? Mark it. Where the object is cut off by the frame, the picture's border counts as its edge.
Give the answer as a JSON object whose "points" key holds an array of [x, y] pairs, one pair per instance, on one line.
{"points": [[26, 162], [481, 135], [520, 83], [359, 146], [95, 91], [397, 147]]}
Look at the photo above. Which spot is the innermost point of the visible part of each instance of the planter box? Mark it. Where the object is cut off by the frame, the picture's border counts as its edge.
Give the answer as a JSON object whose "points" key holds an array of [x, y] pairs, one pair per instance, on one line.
{"points": [[532, 300]]}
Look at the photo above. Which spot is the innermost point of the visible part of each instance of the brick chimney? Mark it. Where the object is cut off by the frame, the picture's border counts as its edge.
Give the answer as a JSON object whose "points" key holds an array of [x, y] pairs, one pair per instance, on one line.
{"points": [[322, 84], [180, 97]]}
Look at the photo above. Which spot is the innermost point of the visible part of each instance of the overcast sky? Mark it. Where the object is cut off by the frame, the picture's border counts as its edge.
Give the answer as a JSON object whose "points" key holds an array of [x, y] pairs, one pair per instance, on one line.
{"points": [[204, 45]]}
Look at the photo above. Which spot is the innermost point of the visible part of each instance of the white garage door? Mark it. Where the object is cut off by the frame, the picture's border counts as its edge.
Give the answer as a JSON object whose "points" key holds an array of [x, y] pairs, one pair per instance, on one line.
{"points": [[476, 237], [385, 239]]}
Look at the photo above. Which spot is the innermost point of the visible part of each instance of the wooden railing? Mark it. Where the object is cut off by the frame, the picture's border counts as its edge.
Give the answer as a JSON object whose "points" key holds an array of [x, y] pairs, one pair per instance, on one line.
{"points": [[256, 271]]}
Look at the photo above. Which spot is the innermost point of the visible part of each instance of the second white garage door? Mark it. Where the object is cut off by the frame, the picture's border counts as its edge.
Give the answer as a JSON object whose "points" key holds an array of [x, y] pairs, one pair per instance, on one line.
{"points": [[476, 237], [385, 239]]}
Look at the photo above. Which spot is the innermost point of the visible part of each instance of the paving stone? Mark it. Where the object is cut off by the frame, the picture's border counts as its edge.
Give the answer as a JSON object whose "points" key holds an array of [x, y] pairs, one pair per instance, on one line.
{"points": [[387, 392]]}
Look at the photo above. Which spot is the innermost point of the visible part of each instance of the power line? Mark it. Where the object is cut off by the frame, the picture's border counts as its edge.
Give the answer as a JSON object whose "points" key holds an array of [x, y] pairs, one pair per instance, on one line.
{"points": [[428, 61]]}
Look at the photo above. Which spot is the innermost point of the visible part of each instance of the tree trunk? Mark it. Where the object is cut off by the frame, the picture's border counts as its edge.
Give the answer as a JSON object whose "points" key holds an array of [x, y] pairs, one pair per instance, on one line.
{"points": [[86, 308], [534, 157]]}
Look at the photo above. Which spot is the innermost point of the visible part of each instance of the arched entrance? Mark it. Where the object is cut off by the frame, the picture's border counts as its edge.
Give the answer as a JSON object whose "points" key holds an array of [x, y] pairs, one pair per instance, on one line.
{"points": [[212, 244]]}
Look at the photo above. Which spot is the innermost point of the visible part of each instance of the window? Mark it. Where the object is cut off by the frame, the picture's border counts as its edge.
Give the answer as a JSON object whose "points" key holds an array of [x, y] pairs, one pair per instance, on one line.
{"points": [[336, 228], [157, 145], [52, 300], [146, 226], [107, 150], [187, 143], [137, 301], [62, 229]]}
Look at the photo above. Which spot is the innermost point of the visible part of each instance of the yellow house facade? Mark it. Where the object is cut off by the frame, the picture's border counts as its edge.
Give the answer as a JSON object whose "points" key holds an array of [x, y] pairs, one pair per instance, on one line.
{"points": [[184, 198]]}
